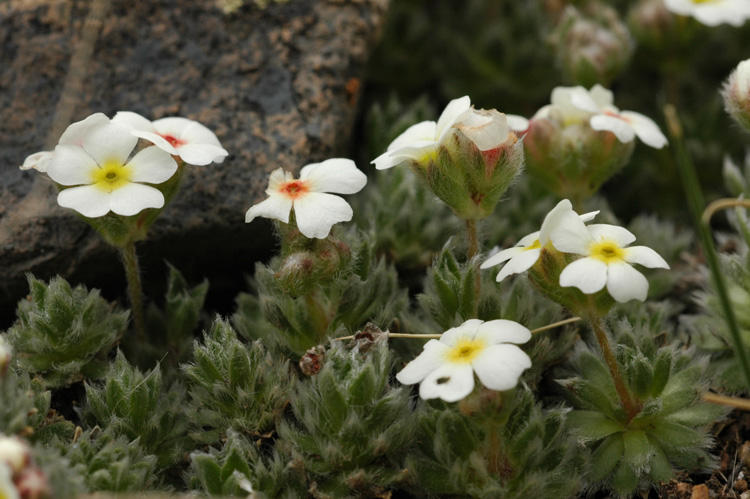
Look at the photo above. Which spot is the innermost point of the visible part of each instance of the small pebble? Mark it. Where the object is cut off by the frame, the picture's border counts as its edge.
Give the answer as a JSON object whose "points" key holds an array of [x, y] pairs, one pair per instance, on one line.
{"points": [[740, 485], [700, 492]]}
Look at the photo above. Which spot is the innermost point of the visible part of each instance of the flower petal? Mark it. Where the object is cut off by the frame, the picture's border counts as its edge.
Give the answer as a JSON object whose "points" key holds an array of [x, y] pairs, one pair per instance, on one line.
{"points": [[517, 123], [519, 263], [645, 256], [486, 129], [74, 134], [316, 212], [87, 200], [552, 220], [174, 126], [621, 128], [426, 362], [336, 175], [645, 129], [424, 131], [587, 274], [529, 239], [197, 133], [39, 161], [466, 330], [587, 217], [450, 382], [276, 207], [601, 96], [570, 234], [71, 165], [499, 367], [110, 142], [502, 256], [155, 139], [601, 232], [454, 112], [201, 154], [134, 121], [152, 165], [624, 283], [503, 331], [277, 179], [132, 198]]}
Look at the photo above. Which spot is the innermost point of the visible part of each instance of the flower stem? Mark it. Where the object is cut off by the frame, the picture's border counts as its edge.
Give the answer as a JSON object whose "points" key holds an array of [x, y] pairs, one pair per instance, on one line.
{"points": [[135, 290], [631, 409], [696, 202], [737, 403], [472, 249]]}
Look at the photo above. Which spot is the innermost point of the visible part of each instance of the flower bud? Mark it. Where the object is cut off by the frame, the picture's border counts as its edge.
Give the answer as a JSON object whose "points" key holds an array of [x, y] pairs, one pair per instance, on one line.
{"points": [[593, 45], [14, 452], [736, 94], [319, 263], [312, 362], [653, 25], [574, 160], [476, 166], [32, 484], [5, 355]]}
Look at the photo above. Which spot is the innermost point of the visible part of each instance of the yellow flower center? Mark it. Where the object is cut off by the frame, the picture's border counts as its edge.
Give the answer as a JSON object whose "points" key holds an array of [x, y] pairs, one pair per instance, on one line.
{"points": [[111, 176], [465, 351], [704, 1], [607, 252], [535, 245]]}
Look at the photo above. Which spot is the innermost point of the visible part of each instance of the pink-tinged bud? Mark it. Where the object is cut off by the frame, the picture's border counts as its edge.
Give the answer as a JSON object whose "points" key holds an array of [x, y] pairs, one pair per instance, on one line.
{"points": [[476, 166], [32, 484], [15, 453], [592, 44], [653, 25], [5, 355], [312, 362], [316, 264], [736, 94]]}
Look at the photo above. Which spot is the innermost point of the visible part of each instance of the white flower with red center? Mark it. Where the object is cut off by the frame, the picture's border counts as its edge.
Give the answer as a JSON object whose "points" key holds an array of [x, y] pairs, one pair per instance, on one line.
{"points": [[421, 141], [712, 12], [315, 209], [525, 254], [5, 355], [446, 367], [607, 259], [8, 489], [192, 142], [14, 453], [73, 135], [102, 176]]}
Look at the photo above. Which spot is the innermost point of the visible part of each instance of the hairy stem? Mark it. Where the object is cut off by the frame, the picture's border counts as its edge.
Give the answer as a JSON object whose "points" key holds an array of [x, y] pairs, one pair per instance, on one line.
{"points": [[631, 409], [135, 289], [472, 249]]}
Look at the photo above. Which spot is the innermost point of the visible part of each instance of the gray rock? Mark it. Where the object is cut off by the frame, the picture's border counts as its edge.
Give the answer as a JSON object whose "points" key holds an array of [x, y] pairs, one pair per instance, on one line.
{"points": [[275, 85]]}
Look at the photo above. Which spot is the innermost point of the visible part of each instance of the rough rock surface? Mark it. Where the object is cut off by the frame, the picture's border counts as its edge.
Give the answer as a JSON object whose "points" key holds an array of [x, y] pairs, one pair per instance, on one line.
{"points": [[278, 86]]}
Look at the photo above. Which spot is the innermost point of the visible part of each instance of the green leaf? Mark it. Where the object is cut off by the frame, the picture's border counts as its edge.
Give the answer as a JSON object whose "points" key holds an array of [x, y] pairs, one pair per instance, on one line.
{"points": [[209, 473], [659, 468], [605, 457], [638, 449], [625, 480], [662, 371], [593, 425]]}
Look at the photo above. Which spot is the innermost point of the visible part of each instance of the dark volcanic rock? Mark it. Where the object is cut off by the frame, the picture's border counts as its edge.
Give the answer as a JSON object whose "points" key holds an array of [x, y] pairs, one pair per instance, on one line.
{"points": [[273, 84]]}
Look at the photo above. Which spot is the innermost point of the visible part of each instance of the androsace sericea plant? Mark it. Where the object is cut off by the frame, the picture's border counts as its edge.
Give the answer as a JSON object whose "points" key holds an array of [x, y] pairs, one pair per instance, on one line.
{"points": [[450, 328]]}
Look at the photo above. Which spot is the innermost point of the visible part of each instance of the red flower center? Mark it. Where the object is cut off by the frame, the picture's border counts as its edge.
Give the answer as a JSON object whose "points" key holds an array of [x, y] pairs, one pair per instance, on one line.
{"points": [[174, 141], [294, 189]]}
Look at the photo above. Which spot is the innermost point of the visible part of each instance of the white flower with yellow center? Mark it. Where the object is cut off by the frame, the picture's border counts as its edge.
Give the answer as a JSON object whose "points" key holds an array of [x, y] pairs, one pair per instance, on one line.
{"points": [[446, 367], [712, 12], [8, 489], [192, 142], [314, 208], [422, 140], [525, 254], [73, 135], [607, 259], [103, 179]]}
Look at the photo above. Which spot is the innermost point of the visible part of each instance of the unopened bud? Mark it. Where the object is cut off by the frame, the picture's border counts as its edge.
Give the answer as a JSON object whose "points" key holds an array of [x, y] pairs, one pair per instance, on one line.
{"points": [[737, 94], [14, 452], [734, 181], [5, 355], [32, 484], [653, 25], [593, 45], [312, 362]]}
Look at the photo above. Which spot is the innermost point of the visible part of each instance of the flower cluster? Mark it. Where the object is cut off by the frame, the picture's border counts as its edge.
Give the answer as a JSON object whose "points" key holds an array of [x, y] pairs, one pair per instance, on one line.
{"points": [[18, 477], [98, 169], [446, 367], [604, 257]]}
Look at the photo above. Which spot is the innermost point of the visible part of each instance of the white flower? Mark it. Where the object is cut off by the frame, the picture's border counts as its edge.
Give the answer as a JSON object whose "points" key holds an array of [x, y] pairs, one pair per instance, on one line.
{"points": [[14, 453], [188, 139], [73, 135], [422, 140], [5, 354], [712, 12], [314, 209], [446, 367], [486, 129], [526, 253], [8, 489], [577, 105], [104, 178], [607, 259]]}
